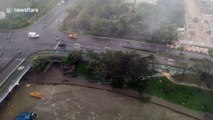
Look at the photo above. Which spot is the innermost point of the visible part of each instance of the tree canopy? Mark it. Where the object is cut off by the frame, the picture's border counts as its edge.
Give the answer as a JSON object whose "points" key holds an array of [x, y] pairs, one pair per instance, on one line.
{"points": [[123, 68], [115, 18]]}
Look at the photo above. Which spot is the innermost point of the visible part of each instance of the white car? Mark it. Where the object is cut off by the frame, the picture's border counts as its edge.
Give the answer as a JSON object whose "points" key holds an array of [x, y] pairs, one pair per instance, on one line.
{"points": [[33, 35]]}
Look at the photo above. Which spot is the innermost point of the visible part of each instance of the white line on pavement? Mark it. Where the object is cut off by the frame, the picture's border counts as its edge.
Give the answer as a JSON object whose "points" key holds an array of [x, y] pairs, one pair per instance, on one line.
{"points": [[57, 44], [12, 72]]}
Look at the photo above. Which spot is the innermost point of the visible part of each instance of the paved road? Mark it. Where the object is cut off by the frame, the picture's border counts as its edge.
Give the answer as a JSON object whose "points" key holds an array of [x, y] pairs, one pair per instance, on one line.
{"points": [[46, 27]]}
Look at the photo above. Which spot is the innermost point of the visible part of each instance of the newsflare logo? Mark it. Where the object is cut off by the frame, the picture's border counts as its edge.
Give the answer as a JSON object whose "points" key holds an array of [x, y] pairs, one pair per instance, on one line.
{"points": [[9, 10], [21, 10]]}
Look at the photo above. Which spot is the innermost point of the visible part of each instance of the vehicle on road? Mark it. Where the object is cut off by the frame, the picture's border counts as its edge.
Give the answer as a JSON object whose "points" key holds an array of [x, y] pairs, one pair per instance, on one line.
{"points": [[26, 116], [33, 35], [62, 45], [72, 36]]}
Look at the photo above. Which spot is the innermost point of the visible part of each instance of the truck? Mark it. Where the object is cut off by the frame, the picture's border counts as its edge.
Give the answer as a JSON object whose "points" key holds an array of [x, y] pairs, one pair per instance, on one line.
{"points": [[26, 116]]}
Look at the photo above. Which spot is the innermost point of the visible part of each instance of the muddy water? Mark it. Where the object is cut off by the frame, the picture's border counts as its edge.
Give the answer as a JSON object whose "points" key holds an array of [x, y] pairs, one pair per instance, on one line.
{"points": [[63, 102]]}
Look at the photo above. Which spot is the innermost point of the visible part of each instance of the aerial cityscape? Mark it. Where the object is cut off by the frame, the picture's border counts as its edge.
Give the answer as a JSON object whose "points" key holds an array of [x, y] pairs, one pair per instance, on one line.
{"points": [[106, 60]]}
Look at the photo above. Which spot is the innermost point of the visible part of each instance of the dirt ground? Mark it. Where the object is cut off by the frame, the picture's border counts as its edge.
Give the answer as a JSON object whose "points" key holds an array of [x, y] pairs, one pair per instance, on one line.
{"points": [[66, 102]]}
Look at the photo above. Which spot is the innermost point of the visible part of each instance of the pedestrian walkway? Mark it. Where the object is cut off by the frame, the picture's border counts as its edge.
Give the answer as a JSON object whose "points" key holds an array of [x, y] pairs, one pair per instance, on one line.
{"points": [[169, 77]]}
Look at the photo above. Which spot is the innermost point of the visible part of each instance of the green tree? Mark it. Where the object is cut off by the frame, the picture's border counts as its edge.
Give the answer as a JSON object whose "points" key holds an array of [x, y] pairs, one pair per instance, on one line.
{"points": [[64, 61], [184, 65], [152, 60], [123, 68], [202, 69], [74, 57], [40, 62], [197, 69]]}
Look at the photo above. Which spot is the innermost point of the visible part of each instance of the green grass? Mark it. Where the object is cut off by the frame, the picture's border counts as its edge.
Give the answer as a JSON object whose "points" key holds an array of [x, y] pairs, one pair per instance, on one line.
{"points": [[190, 97]]}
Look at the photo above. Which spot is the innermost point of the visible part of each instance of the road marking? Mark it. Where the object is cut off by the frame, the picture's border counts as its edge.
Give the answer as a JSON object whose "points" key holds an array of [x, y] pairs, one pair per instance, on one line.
{"points": [[12, 72], [57, 44]]}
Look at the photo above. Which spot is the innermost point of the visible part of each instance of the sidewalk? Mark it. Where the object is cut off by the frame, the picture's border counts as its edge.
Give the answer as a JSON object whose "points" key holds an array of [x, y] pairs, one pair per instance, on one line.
{"points": [[169, 77]]}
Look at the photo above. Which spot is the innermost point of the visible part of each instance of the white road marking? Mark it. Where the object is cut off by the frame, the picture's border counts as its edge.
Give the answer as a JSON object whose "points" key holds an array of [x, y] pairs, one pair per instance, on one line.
{"points": [[57, 44], [12, 72]]}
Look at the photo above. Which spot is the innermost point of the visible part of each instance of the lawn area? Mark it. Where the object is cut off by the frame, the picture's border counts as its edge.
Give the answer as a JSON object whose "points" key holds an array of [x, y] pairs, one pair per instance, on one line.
{"points": [[190, 97]]}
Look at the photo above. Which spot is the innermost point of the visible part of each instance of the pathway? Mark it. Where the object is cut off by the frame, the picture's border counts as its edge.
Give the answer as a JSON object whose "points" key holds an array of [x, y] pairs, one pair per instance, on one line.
{"points": [[169, 77]]}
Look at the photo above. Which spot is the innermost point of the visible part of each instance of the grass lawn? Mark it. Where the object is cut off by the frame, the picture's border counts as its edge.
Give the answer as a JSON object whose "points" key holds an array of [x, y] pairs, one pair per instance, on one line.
{"points": [[190, 97]]}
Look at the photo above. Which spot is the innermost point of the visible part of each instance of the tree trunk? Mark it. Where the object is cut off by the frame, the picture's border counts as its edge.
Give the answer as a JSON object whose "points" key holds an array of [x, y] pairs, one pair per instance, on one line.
{"points": [[183, 73], [200, 85]]}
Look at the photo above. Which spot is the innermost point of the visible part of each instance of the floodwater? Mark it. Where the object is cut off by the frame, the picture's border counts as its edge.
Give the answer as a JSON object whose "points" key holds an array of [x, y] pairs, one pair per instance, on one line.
{"points": [[64, 102]]}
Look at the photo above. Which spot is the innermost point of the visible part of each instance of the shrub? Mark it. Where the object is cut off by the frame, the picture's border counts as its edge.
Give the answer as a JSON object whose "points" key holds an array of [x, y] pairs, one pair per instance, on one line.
{"points": [[39, 63]]}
